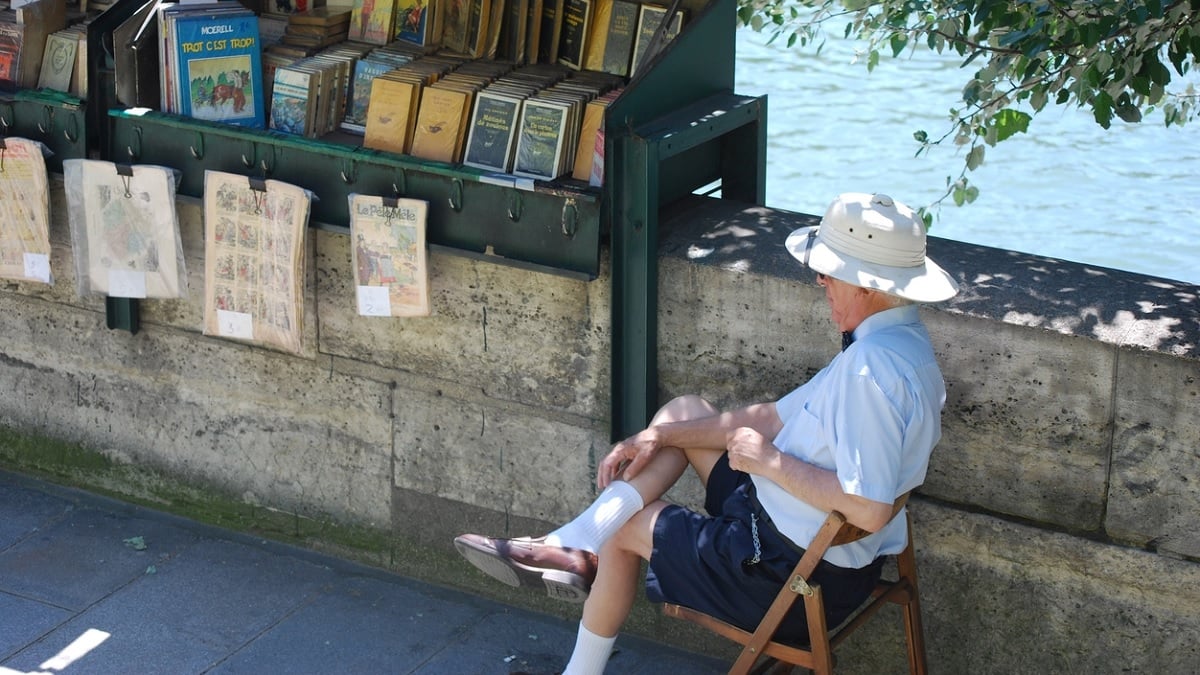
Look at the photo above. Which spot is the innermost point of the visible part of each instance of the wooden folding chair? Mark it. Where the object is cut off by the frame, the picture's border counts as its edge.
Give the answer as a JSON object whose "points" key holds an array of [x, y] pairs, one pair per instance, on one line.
{"points": [[818, 656]]}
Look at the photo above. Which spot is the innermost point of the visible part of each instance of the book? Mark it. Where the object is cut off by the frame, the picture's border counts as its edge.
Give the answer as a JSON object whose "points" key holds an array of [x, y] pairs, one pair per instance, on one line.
{"points": [[392, 112], [292, 97], [513, 31], [389, 255], [36, 20], [58, 61], [540, 139], [479, 19], [597, 34], [373, 21], [12, 37], [533, 30], [650, 18], [552, 11], [365, 72], [493, 131], [576, 23], [618, 43], [593, 118], [454, 31], [441, 123], [413, 22], [219, 74]]}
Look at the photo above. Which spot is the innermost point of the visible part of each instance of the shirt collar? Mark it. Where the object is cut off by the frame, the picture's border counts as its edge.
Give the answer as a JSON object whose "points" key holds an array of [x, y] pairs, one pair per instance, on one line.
{"points": [[886, 319]]}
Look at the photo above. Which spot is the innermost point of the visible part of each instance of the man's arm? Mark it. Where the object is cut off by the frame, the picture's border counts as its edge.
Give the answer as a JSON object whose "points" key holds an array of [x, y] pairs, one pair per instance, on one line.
{"points": [[711, 432], [752, 452]]}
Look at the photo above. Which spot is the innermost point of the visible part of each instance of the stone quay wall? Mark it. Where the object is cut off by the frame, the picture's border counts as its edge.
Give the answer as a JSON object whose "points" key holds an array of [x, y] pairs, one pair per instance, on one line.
{"points": [[1055, 531]]}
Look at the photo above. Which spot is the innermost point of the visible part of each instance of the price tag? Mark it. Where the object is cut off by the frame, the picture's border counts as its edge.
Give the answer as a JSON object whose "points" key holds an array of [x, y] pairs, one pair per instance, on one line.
{"points": [[235, 325], [126, 284], [37, 266], [374, 301]]}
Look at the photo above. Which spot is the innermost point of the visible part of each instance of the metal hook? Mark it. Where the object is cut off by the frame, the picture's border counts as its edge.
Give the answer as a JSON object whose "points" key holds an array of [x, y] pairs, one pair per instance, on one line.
{"points": [[48, 117], [249, 163], [4, 123], [352, 176], [570, 219], [456, 194], [72, 132], [134, 154], [198, 154], [400, 185], [515, 205]]}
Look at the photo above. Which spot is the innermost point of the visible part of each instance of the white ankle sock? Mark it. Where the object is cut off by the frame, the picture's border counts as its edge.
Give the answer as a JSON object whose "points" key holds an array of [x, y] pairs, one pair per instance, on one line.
{"points": [[600, 521], [591, 653]]}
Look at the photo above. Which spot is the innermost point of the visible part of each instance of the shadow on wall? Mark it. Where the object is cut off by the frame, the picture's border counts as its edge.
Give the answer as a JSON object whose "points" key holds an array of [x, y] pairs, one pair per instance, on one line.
{"points": [[1105, 304]]}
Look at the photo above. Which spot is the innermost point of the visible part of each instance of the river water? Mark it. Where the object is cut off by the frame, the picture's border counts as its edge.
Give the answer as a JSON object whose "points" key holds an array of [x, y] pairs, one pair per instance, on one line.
{"points": [[1127, 197]]}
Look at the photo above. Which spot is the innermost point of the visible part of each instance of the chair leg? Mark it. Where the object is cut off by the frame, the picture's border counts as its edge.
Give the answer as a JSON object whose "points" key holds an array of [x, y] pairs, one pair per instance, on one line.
{"points": [[914, 634], [818, 633]]}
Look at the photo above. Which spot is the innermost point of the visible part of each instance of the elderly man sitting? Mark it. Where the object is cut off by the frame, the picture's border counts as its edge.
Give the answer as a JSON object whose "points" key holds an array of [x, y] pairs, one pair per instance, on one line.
{"points": [[852, 439]]}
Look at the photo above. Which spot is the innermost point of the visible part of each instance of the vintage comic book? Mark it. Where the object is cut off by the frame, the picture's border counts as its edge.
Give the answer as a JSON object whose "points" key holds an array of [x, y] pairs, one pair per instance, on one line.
{"points": [[24, 212], [389, 255], [12, 37], [413, 22], [124, 230], [365, 72], [254, 260], [220, 66]]}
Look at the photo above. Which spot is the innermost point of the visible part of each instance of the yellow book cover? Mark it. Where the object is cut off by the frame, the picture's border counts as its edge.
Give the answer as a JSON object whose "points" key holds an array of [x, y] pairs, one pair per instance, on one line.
{"points": [[393, 103], [598, 31], [593, 117], [440, 124]]}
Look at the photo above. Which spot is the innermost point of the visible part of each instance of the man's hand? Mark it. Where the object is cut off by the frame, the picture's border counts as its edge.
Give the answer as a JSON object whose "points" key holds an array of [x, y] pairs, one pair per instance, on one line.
{"points": [[628, 456], [751, 452]]}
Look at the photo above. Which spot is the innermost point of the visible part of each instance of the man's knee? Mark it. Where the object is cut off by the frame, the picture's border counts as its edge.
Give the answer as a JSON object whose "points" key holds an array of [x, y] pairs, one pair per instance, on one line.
{"points": [[686, 407]]}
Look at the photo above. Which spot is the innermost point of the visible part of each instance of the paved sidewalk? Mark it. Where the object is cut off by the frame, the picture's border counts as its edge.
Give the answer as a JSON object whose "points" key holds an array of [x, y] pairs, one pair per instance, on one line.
{"points": [[92, 585]]}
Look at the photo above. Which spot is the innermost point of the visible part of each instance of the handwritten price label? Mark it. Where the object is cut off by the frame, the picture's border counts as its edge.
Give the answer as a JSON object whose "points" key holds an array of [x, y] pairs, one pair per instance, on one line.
{"points": [[37, 266], [235, 325], [126, 284], [374, 301]]}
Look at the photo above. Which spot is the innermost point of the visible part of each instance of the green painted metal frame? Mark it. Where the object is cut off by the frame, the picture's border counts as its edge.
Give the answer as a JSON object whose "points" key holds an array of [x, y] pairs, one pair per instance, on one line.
{"points": [[677, 128]]}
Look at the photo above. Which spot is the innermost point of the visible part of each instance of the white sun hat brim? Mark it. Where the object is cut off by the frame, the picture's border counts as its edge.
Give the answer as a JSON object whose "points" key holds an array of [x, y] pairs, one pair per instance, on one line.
{"points": [[858, 238]]}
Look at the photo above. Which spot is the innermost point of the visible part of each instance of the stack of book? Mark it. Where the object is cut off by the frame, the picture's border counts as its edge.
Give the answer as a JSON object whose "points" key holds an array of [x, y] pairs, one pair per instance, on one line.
{"points": [[210, 63], [612, 36], [308, 96], [316, 29], [440, 132]]}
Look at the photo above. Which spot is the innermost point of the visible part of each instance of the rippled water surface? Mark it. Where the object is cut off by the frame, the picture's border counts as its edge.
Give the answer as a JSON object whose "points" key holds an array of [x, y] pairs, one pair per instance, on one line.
{"points": [[1127, 198]]}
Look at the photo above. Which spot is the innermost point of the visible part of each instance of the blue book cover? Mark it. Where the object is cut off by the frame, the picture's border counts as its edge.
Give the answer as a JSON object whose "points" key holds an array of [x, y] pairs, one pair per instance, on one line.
{"points": [[220, 66]]}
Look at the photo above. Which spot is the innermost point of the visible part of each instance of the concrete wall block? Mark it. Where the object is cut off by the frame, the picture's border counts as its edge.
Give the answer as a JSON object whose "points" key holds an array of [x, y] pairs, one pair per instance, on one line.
{"points": [[1154, 494], [1005, 598], [496, 456], [534, 338], [1026, 427], [284, 431], [738, 338]]}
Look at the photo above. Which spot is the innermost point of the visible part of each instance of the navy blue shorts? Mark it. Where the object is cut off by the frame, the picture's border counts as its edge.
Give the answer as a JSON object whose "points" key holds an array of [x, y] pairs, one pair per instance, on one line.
{"points": [[704, 562]]}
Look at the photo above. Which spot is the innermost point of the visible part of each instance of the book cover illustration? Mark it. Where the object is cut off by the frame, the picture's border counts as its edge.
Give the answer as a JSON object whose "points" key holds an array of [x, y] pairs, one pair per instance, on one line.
{"points": [[254, 260], [220, 68], [292, 99], [24, 211], [389, 256], [11, 39], [365, 72], [576, 24], [412, 22], [372, 21], [124, 230]]}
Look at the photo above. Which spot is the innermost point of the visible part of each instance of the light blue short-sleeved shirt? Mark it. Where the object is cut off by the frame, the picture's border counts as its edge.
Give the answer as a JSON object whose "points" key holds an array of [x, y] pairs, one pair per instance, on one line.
{"points": [[873, 415]]}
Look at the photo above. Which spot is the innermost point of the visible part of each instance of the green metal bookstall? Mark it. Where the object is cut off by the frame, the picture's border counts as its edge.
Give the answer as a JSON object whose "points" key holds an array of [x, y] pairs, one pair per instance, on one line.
{"points": [[677, 128]]}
